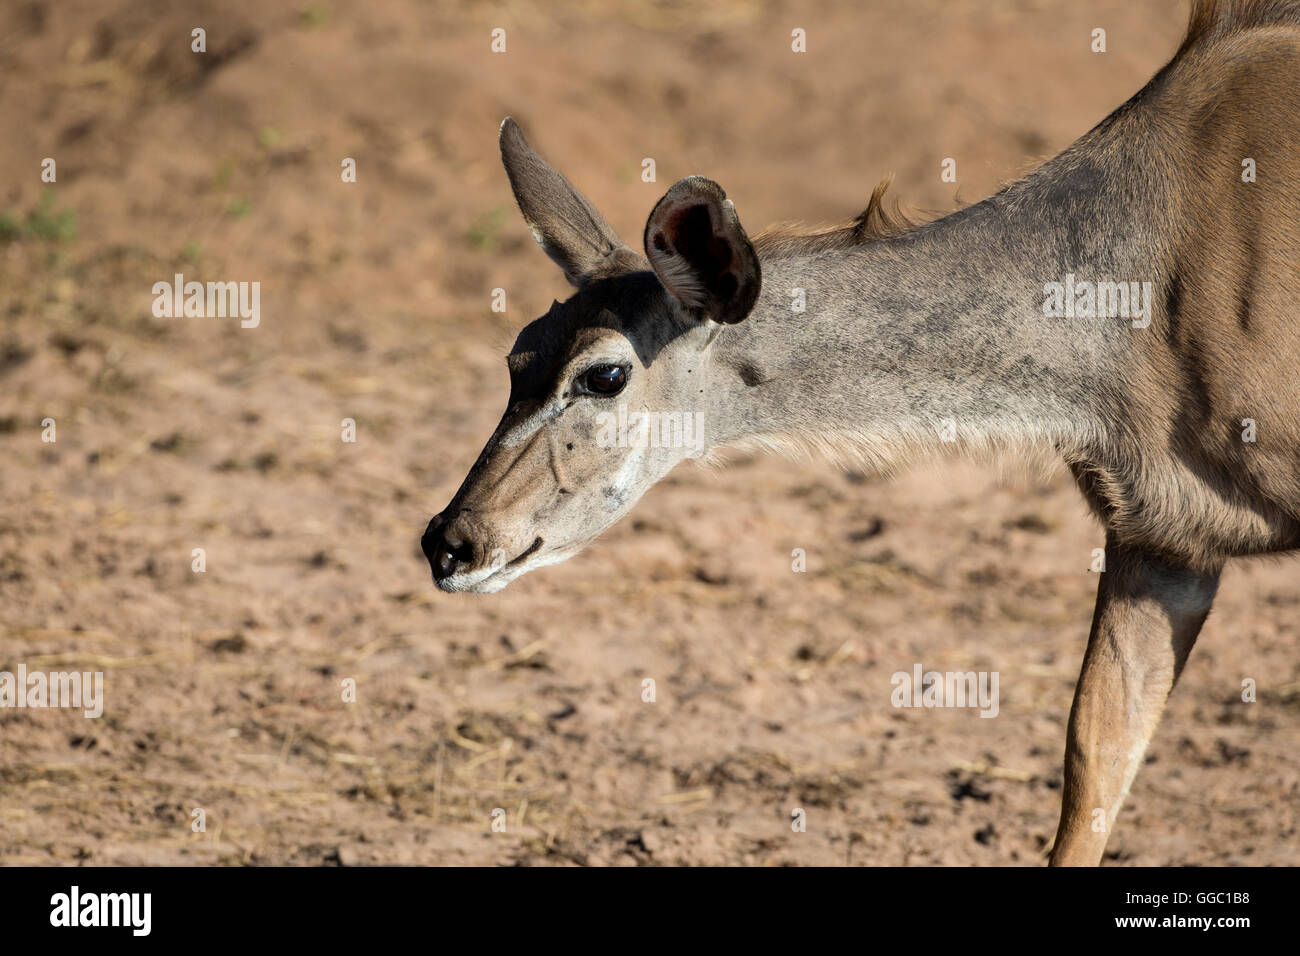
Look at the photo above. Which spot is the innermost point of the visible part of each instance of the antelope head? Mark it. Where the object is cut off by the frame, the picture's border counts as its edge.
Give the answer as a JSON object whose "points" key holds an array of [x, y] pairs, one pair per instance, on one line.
{"points": [[609, 389]]}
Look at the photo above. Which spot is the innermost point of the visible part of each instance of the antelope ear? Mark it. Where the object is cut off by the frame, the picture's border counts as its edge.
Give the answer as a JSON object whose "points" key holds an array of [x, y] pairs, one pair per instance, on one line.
{"points": [[696, 246], [564, 223]]}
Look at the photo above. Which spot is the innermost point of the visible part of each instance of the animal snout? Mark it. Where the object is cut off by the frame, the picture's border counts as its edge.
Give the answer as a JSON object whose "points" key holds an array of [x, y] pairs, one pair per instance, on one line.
{"points": [[447, 550]]}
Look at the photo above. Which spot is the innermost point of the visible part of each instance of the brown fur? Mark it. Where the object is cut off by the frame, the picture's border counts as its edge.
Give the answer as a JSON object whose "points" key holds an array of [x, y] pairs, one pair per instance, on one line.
{"points": [[1228, 344], [1190, 492]]}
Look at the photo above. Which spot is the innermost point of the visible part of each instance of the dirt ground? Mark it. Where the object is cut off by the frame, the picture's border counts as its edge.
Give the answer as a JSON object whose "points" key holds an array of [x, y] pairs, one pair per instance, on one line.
{"points": [[223, 689]]}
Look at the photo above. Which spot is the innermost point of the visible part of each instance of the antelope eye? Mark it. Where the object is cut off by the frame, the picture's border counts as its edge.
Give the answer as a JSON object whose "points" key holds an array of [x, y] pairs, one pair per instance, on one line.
{"points": [[606, 379]]}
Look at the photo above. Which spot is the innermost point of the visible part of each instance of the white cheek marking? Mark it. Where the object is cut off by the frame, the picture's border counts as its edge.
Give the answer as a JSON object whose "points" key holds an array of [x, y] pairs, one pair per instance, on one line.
{"points": [[627, 475]]}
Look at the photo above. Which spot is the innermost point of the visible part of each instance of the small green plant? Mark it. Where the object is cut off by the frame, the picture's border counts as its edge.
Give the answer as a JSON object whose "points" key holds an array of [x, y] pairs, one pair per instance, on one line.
{"points": [[42, 222], [225, 172], [239, 208], [482, 233], [314, 15], [46, 222]]}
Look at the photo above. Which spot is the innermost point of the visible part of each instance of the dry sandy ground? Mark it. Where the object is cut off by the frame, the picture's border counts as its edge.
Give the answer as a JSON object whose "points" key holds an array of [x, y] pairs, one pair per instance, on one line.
{"points": [[223, 689]]}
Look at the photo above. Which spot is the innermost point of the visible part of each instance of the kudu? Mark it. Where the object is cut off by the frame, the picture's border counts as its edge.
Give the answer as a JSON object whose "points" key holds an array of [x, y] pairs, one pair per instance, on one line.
{"points": [[983, 327]]}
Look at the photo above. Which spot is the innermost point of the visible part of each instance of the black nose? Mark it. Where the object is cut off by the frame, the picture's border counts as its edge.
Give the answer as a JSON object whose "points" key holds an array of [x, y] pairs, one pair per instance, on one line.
{"points": [[445, 555]]}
